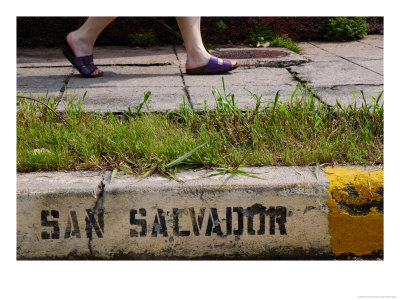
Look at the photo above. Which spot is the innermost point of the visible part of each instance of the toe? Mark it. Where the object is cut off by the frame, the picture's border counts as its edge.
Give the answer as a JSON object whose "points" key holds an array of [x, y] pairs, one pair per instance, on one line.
{"points": [[97, 72]]}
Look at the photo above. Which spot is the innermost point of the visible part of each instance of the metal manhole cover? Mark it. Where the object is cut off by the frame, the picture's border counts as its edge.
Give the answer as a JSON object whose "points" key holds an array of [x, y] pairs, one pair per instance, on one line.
{"points": [[250, 53]]}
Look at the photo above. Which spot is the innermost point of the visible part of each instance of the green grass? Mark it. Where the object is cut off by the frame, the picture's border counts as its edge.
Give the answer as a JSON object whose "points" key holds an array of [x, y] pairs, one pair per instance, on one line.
{"points": [[297, 131]]}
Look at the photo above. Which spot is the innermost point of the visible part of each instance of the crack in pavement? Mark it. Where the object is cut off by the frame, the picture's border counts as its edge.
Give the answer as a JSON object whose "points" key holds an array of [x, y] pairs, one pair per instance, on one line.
{"points": [[63, 88], [346, 59], [354, 84], [294, 75], [101, 65], [185, 88], [369, 44]]}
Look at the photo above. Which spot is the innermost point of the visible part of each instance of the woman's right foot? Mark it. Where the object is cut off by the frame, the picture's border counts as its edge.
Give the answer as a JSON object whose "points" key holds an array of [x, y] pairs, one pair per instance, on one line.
{"points": [[81, 48]]}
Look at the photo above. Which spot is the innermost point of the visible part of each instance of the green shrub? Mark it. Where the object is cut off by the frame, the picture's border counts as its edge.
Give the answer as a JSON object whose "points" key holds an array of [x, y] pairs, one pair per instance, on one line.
{"points": [[220, 25], [284, 41], [146, 39], [345, 29], [259, 35]]}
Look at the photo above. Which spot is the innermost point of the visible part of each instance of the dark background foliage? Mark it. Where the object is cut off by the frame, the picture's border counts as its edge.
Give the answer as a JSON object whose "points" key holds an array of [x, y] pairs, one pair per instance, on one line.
{"points": [[50, 31]]}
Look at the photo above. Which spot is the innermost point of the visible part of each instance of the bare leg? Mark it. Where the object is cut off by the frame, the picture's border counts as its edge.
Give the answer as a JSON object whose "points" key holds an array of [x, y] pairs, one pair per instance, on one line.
{"points": [[197, 55], [82, 40]]}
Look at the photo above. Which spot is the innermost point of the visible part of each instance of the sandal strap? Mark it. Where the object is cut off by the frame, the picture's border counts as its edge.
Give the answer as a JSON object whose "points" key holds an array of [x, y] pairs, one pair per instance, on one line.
{"points": [[217, 65], [82, 60], [84, 64], [87, 69]]}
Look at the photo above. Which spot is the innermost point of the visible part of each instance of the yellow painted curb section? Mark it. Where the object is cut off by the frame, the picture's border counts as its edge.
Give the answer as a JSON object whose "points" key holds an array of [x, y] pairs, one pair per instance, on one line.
{"points": [[356, 210]]}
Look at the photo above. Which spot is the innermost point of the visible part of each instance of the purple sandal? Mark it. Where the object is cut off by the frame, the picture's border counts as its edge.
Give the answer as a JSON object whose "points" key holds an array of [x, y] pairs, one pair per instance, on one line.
{"points": [[84, 64], [215, 66]]}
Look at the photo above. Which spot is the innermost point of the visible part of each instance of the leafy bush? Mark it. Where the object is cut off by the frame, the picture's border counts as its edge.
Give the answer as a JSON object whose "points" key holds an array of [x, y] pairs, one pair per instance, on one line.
{"points": [[146, 39], [285, 41], [259, 35], [345, 29]]}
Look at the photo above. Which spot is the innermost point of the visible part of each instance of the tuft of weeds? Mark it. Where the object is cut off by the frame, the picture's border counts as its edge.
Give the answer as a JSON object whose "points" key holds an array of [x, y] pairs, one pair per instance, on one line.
{"points": [[284, 41], [296, 131]]}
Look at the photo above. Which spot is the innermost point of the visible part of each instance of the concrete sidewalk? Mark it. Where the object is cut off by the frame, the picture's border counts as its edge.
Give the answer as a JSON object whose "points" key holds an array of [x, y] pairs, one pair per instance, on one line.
{"points": [[335, 69]]}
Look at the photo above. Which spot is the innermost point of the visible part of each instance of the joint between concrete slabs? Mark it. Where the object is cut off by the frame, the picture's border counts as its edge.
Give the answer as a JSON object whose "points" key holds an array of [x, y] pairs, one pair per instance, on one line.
{"points": [[185, 88]]}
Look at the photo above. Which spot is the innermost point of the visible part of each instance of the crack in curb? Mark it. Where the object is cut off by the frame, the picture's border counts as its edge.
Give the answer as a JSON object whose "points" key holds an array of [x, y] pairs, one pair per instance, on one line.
{"points": [[98, 205], [185, 88], [346, 59]]}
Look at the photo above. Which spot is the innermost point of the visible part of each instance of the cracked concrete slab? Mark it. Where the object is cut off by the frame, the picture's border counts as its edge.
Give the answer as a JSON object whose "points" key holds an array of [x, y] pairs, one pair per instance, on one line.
{"points": [[313, 53], [373, 40], [109, 55], [340, 68], [36, 82], [338, 85], [344, 95], [124, 86], [340, 73], [352, 49], [375, 65]]}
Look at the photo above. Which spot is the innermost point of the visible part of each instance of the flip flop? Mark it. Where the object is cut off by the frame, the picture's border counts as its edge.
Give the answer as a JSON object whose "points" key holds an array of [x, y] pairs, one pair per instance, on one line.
{"points": [[215, 66], [84, 64]]}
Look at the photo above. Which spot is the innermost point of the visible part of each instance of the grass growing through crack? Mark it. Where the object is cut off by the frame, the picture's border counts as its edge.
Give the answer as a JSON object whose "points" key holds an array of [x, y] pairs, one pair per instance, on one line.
{"points": [[297, 131]]}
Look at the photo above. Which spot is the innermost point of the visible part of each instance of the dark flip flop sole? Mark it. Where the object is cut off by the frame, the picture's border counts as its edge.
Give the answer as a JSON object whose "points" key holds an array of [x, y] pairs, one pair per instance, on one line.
{"points": [[200, 71]]}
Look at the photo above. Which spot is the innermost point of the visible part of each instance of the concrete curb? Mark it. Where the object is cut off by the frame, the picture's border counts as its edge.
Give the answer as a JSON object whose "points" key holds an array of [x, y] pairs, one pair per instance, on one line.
{"points": [[291, 214]]}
